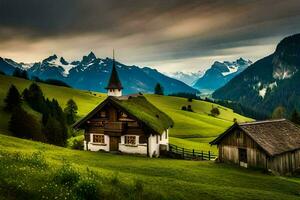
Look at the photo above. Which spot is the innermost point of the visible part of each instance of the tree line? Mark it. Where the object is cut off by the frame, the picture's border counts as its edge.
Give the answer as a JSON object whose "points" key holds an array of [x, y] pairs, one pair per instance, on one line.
{"points": [[53, 126]]}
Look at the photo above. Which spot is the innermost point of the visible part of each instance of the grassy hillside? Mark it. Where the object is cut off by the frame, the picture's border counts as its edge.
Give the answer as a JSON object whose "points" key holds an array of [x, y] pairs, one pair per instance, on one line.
{"points": [[85, 100], [32, 176], [192, 129]]}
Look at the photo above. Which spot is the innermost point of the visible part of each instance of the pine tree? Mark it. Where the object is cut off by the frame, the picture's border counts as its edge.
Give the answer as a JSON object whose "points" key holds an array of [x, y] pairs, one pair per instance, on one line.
{"points": [[295, 117], [279, 112], [13, 99], [24, 125], [34, 97], [158, 89], [71, 111], [54, 132]]}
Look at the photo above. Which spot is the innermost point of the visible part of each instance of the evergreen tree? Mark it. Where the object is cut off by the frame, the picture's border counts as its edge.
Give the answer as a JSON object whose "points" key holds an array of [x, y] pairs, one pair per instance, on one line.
{"points": [[35, 97], [55, 132], [71, 111], [295, 117], [24, 125], [13, 99], [20, 73], [158, 89], [278, 112]]}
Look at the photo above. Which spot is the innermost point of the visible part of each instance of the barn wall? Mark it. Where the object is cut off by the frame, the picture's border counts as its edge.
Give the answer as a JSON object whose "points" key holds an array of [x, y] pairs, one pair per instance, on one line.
{"points": [[228, 149], [285, 163]]}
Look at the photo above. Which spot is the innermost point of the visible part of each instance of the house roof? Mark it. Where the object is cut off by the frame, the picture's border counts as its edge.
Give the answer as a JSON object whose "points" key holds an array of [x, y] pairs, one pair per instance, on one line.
{"points": [[273, 136], [138, 107], [114, 81]]}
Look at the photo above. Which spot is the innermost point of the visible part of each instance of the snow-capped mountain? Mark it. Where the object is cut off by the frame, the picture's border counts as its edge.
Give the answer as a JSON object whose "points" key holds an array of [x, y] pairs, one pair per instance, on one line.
{"points": [[220, 73], [270, 82], [188, 78], [92, 73]]}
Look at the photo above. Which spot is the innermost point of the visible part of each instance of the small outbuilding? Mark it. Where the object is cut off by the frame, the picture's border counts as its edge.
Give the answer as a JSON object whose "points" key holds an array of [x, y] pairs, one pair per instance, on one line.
{"points": [[271, 145]]}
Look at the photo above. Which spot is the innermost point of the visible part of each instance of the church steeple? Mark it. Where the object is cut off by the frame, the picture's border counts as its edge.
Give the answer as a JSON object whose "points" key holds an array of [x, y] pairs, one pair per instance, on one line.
{"points": [[114, 87]]}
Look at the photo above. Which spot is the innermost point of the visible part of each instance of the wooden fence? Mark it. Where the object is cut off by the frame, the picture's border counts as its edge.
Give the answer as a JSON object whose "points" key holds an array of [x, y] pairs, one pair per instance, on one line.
{"points": [[190, 154]]}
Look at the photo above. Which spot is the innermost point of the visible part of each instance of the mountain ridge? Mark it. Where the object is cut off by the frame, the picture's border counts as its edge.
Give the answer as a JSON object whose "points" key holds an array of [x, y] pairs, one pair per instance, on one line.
{"points": [[220, 73], [92, 73], [270, 82]]}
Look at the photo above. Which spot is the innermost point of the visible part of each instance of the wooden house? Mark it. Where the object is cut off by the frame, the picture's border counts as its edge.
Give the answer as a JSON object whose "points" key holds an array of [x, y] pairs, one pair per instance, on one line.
{"points": [[271, 145], [128, 124]]}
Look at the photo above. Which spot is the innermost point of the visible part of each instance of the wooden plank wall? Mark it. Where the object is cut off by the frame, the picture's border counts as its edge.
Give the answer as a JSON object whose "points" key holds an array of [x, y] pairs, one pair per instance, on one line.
{"points": [[228, 149], [285, 163]]}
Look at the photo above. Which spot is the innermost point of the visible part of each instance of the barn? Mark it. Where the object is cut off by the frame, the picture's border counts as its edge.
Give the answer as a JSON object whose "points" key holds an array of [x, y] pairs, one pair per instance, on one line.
{"points": [[128, 124], [272, 145]]}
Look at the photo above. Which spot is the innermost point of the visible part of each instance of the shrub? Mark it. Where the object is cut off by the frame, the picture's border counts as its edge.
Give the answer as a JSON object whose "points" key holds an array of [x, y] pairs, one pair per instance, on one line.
{"points": [[215, 111], [190, 99], [77, 144], [87, 189], [183, 108], [66, 175], [189, 108]]}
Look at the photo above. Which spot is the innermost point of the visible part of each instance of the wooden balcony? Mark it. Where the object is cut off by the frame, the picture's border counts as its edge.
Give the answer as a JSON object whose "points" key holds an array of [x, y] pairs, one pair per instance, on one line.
{"points": [[115, 126]]}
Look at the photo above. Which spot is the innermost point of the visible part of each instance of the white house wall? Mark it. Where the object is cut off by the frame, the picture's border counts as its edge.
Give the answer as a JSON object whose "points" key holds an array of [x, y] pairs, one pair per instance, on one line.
{"points": [[97, 147], [154, 147], [114, 92], [134, 149]]}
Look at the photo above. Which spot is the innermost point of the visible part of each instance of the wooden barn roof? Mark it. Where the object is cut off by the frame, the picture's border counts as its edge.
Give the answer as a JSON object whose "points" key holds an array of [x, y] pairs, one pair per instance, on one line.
{"points": [[273, 136], [138, 107]]}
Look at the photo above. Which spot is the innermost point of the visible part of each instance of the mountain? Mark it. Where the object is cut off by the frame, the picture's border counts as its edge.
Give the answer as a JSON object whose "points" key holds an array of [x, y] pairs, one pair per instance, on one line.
{"points": [[269, 82], [92, 73], [220, 73], [188, 78]]}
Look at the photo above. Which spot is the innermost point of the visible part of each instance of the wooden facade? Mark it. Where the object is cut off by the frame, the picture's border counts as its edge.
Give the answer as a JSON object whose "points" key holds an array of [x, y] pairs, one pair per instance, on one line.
{"points": [[128, 124], [231, 147], [240, 146]]}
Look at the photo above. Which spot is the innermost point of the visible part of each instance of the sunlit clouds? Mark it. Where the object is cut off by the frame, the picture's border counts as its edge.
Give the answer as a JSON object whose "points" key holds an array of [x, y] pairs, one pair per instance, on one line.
{"points": [[171, 35]]}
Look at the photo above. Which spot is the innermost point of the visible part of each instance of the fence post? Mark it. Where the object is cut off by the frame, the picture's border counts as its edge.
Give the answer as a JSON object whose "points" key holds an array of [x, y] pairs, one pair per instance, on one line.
{"points": [[193, 152], [208, 155], [202, 155], [183, 153]]}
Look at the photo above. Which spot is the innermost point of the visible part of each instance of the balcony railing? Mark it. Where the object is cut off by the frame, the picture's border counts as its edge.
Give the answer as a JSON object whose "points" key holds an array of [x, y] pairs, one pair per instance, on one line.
{"points": [[114, 126]]}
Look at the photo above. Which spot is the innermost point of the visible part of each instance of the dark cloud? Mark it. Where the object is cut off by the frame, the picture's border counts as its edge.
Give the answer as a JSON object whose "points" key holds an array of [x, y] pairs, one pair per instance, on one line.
{"points": [[149, 29]]}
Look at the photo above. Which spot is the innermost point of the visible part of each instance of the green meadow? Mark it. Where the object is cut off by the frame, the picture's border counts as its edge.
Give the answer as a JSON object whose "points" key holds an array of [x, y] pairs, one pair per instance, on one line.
{"points": [[33, 170], [191, 130]]}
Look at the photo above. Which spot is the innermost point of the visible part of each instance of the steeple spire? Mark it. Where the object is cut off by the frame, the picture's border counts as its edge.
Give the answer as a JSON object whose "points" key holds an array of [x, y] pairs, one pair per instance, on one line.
{"points": [[114, 87]]}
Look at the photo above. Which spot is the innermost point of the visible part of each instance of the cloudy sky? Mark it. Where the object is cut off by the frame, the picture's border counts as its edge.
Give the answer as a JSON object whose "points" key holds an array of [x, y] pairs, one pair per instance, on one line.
{"points": [[170, 35]]}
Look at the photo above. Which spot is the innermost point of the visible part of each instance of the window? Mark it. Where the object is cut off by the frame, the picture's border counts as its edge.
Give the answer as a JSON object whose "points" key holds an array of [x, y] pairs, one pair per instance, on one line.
{"points": [[102, 114], [156, 139], [98, 139], [130, 140], [160, 137]]}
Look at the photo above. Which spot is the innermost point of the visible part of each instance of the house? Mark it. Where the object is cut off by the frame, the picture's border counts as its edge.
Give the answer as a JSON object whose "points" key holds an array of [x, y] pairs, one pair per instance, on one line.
{"points": [[128, 124], [271, 145]]}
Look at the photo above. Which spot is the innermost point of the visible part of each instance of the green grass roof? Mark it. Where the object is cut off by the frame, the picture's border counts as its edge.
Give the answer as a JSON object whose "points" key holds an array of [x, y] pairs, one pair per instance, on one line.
{"points": [[146, 112]]}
